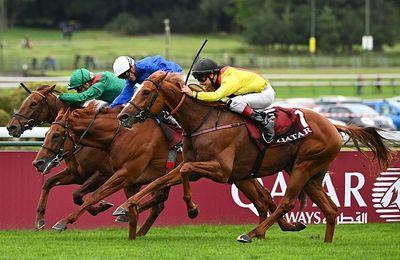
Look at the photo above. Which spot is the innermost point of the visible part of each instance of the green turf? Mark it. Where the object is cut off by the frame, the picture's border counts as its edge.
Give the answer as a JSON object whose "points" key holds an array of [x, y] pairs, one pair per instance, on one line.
{"points": [[372, 241], [105, 47]]}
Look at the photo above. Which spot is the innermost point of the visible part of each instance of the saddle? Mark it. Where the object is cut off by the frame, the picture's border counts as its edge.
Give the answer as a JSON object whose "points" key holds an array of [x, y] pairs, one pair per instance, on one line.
{"points": [[290, 125]]}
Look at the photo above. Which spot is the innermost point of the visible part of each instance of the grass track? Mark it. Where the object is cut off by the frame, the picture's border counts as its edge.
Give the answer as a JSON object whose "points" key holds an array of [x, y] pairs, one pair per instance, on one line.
{"points": [[372, 241]]}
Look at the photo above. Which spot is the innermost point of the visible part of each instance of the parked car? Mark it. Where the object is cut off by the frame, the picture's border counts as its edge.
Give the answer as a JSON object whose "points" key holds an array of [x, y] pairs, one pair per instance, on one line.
{"points": [[357, 114], [327, 100], [388, 108]]}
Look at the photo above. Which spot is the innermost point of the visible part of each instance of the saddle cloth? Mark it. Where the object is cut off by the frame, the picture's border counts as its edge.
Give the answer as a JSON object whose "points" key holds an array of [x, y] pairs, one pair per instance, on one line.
{"points": [[290, 126]]}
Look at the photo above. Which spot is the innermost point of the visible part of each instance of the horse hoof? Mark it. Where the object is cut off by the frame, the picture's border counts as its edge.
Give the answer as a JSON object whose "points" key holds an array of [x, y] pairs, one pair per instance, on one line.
{"points": [[105, 205], [193, 213], [40, 224], [59, 226], [120, 211], [244, 238], [122, 218], [300, 226]]}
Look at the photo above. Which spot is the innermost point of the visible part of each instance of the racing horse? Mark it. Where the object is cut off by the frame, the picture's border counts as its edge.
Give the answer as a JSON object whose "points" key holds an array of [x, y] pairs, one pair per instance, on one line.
{"points": [[138, 157], [90, 167], [217, 146]]}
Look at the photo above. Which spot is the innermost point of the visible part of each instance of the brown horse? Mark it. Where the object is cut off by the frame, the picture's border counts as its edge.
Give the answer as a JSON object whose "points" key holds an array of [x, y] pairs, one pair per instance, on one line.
{"points": [[89, 168], [228, 155], [138, 156]]}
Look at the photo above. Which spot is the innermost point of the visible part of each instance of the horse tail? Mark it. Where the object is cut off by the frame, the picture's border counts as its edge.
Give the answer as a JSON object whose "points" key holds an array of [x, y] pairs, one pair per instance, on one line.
{"points": [[369, 137]]}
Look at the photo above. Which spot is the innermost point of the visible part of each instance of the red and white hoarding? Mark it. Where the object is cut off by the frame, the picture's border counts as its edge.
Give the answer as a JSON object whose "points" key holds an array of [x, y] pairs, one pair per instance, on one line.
{"points": [[362, 192]]}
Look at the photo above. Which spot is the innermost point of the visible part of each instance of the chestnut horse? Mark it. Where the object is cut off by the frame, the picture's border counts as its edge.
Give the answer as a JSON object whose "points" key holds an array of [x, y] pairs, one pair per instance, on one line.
{"points": [[217, 146], [138, 157], [89, 168]]}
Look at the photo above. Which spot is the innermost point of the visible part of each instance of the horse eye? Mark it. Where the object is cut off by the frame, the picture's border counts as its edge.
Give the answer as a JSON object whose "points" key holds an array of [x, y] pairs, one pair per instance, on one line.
{"points": [[146, 92], [56, 136], [33, 104]]}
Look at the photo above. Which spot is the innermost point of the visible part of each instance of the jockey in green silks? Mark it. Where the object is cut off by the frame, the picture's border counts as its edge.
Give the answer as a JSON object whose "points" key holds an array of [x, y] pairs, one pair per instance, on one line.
{"points": [[103, 86]]}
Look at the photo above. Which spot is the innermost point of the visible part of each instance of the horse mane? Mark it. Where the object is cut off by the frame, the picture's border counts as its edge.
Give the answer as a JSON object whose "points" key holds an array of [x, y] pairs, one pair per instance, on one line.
{"points": [[45, 87]]}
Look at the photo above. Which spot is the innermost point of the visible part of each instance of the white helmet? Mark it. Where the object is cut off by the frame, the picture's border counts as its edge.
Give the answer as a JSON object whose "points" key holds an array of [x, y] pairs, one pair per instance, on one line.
{"points": [[122, 64]]}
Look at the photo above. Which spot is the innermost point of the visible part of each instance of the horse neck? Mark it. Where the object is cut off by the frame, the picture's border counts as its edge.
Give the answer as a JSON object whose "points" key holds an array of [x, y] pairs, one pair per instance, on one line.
{"points": [[191, 114], [54, 107], [100, 134]]}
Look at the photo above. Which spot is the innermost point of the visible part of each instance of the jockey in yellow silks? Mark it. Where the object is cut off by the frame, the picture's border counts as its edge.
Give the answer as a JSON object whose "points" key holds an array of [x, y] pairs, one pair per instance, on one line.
{"points": [[244, 92]]}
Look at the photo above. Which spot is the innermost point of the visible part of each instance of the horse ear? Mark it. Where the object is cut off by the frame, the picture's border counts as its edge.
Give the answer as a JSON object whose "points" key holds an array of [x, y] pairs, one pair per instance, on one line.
{"points": [[52, 88]]}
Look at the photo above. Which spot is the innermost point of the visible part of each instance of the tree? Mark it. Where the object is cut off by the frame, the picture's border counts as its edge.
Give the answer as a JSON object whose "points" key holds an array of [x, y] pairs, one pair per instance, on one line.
{"points": [[327, 30]]}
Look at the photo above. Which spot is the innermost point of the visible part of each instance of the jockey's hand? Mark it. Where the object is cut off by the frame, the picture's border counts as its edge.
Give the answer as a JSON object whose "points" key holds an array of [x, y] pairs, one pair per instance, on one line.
{"points": [[185, 89]]}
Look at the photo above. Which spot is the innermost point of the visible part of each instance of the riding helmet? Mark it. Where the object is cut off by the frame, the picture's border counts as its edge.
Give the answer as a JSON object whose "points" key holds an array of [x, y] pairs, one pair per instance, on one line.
{"points": [[79, 77]]}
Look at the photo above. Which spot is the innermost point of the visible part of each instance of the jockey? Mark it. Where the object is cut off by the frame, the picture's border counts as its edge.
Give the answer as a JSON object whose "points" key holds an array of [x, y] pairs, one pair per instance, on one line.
{"points": [[244, 92], [136, 72], [103, 86]]}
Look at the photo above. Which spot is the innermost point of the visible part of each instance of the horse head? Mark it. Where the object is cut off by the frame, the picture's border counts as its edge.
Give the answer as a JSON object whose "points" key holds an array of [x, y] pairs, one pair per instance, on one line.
{"points": [[59, 143], [148, 101], [39, 107]]}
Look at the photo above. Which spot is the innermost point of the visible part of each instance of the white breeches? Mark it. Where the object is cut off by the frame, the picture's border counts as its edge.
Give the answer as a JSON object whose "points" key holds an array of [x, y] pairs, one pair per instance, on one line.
{"points": [[257, 101]]}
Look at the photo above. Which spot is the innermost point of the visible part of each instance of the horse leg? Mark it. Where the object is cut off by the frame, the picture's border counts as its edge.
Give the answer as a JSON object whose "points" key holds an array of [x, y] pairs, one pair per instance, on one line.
{"points": [[209, 169], [262, 200], [170, 179], [91, 184], [113, 184], [129, 192], [64, 177], [315, 191], [159, 198], [296, 183]]}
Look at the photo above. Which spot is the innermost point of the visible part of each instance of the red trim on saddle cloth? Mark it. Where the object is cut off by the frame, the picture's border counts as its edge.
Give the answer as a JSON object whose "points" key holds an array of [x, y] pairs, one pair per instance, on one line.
{"points": [[288, 128], [97, 78]]}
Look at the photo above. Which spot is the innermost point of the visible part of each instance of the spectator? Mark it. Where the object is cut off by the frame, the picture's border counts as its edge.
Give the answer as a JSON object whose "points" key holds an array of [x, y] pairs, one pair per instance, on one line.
{"points": [[34, 63], [360, 84], [77, 60], [378, 85], [49, 62], [26, 43], [90, 62]]}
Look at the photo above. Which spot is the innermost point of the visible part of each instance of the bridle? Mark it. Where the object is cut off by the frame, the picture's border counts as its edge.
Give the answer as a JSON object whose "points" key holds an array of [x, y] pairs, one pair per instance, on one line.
{"points": [[60, 153], [144, 113], [32, 119]]}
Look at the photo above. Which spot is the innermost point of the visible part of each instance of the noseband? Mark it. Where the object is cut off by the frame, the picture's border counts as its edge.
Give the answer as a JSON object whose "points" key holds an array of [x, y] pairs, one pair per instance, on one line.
{"points": [[61, 154]]}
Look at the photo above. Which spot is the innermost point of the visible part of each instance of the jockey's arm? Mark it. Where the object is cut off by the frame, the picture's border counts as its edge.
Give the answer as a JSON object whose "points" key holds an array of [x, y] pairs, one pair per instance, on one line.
{"points": [[92, 92], [125, 96], [229, 86]]}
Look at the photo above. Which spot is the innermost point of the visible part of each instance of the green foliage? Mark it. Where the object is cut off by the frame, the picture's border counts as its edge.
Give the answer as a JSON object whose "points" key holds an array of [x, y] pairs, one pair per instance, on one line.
{"points": [[125, 24], [4, 117], [327, 31]]}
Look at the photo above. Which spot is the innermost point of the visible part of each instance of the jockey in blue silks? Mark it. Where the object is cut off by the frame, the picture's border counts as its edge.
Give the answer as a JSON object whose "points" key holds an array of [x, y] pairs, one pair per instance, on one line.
{"points": [[136, 72]]}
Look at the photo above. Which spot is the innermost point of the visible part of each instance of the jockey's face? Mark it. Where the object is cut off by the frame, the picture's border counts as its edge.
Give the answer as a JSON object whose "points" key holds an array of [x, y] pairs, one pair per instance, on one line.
{"points": [[84, 87], [132, 76], [207, 81]]}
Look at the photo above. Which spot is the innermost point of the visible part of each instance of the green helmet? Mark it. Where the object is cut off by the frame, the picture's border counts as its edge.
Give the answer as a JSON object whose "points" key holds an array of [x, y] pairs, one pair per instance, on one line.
{"points": [[78, 78]]}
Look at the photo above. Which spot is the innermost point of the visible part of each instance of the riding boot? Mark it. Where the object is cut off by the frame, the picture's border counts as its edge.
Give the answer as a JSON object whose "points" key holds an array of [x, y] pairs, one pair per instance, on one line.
{"points": [[264, 121]]}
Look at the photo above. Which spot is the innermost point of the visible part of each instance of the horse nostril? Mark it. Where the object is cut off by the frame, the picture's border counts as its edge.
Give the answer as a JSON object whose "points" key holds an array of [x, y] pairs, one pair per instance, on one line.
{"points": [[124, 117], [38, 163], [12, 128]]}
